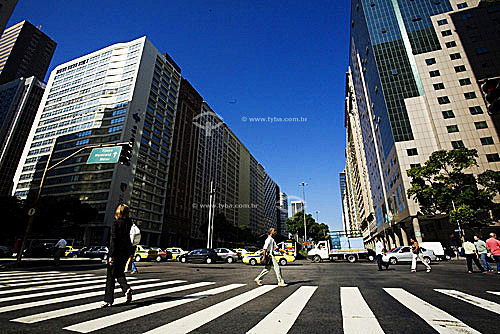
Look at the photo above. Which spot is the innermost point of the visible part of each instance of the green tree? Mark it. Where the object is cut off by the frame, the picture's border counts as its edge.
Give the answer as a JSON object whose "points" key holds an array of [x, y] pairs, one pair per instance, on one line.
{"points": [[444, 180], [315, 231]]}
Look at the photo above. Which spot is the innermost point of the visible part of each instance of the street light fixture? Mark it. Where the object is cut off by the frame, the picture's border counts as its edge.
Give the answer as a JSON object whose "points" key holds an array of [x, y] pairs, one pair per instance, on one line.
{"points": [[317, 216], [303, 184]]}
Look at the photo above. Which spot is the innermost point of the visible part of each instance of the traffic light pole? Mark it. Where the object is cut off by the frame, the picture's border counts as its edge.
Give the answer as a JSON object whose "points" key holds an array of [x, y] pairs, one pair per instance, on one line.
{"points": [[32, 211]]}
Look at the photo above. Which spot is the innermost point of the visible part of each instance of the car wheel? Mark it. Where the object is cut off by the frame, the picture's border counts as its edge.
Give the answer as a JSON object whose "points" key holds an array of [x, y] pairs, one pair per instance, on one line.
{"points": [[105, 257], [351, 258], [252, 262], [230, 260], [158, 258], [183, 259], [427, 259], [137, 258], [447, 257], [282, 262], [393, 260], [208, 260], [371, 258], [317, 258]]}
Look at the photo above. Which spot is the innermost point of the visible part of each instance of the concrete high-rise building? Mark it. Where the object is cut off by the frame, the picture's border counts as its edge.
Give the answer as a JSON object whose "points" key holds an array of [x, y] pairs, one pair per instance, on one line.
{"points": [[283, 205], [19, 101], [296, 206], [415, 93], [25, 51], [6, 9], [124, 92]]}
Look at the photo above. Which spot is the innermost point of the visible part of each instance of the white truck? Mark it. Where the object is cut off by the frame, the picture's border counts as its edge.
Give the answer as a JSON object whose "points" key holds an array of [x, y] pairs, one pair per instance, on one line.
{"points": [[341, 246]]}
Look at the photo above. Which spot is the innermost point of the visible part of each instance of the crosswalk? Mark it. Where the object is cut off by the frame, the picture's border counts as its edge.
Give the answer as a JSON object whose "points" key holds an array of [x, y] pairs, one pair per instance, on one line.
{"points": [[73, 300]]}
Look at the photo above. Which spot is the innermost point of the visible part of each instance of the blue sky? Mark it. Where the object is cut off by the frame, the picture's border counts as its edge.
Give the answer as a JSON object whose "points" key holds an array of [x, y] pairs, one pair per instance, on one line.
{"points": [[247, 59]]}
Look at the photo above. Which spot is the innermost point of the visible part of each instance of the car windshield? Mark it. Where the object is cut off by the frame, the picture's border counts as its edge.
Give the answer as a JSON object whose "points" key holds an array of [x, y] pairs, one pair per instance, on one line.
{"points": [[395, 250]]}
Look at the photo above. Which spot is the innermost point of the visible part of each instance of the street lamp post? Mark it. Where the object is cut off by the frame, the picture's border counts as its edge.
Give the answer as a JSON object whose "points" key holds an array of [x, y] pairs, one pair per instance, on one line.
{"points": [[317, 217], [303, 184], [458, 223]]}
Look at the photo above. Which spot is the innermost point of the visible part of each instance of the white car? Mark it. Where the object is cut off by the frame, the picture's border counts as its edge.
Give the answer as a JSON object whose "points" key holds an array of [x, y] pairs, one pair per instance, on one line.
{"points": [[404, 254]]}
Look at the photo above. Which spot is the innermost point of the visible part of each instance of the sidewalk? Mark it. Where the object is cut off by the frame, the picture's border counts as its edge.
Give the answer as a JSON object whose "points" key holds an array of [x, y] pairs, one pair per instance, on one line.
{"points": [[11, 263]]}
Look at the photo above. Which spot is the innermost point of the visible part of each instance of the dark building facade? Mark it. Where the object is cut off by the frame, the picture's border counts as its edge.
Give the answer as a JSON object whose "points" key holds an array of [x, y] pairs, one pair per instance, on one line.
{"points": [[19, 101], [6, 9], [182, 169], [25, 51]]}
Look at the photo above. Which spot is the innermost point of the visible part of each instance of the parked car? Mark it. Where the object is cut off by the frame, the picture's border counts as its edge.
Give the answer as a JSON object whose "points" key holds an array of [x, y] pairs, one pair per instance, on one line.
{"points": [[162, 255], [176, 252], [5, 251], [227, 255], [144, 253], [202, 255], [41, 250], [242, 252], [70, 251], [404, 254], [95, 252], [370, 255], [254, 259], [436, 247]]}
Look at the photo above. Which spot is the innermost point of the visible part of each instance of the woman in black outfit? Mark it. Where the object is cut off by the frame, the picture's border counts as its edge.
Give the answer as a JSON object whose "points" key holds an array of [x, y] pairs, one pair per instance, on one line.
{"points": [[120, 248]]}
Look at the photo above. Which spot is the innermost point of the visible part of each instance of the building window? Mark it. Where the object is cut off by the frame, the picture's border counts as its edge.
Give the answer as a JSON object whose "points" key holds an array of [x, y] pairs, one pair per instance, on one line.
{"points": [[464, 82], [394, 72], [493, 157], [414, 165], [470, 95], [466, 16], [443, 100], [438, 86], [452, 128], [430, 61], [450, 44], [480, 51], [487, 141], [448, 114], [455, 56], [434, 73], [460, 68], [457, 144], [412, 151], [481, 125], [442, 22], [462, 5], [476, 110], [445, 33]]}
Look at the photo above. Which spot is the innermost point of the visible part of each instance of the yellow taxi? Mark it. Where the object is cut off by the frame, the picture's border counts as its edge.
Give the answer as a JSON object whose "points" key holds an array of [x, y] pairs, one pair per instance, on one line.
{"points": [[143, 253], [255, 258], [71, 250], [176, 252]]}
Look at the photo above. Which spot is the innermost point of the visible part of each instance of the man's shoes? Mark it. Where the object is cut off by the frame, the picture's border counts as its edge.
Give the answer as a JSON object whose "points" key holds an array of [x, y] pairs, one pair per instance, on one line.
{"points": [[128, 294], [413, 271], [259, 283], [282, 285], [134, 272], [380, 270], [104, 305]]}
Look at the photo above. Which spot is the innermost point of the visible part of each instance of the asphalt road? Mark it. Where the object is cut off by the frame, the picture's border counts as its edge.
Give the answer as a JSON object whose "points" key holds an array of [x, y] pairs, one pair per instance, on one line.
{"points": [[221, 298]]}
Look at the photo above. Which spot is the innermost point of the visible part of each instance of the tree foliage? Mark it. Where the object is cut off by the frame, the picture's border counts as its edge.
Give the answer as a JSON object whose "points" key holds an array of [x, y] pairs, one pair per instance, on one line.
{"points": [[315, 231], [445, 179]]}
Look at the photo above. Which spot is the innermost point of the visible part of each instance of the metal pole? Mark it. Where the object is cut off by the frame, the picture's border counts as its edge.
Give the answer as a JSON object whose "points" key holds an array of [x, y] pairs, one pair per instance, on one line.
{"points": [[317, 217], [212, 218], [303, 184], [209, 215], [458, 223]]}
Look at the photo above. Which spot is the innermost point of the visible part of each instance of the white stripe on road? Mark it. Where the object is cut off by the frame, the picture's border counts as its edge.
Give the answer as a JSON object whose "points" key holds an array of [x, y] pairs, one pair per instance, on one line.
{"points": [[100, 323], [74, 297], [91, 306], [494, 292], [35, 279], [27, 273], [438, 319], [357, 317], [282, 318], [198, 319], [51, 281], [67, 291], [476, 301]]}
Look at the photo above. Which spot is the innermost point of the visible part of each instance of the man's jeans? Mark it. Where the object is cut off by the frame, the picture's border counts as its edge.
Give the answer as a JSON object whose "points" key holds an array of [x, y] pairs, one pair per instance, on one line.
{"points": [[485, 263], [497, 260], [267, 269]]}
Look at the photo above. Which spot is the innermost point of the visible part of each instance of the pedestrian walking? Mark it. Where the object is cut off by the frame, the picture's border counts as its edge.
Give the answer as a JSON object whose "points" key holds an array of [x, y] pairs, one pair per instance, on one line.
{"points": [[471, 255], [417, 254], [379, 252], [120, 248], [482, 250], [59, 250], [493, 244], [269, 261]]}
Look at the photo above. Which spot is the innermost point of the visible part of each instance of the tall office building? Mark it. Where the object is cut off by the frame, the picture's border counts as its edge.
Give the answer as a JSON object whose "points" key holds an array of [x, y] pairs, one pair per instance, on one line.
{"points": [[283, 205], [415, 93], [296, 206], [19, 101], [124, 92], [6, 9], [25, 51]]}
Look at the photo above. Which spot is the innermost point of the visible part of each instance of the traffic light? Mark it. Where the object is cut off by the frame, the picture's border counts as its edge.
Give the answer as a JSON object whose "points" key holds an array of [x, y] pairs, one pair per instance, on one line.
{"points": [[125, 154], [491, 90]]}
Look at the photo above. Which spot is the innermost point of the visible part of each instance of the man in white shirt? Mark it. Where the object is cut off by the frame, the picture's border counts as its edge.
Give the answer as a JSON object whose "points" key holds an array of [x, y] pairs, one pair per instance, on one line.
{"points": [[269, 247], [379, 251], [60, 248]]}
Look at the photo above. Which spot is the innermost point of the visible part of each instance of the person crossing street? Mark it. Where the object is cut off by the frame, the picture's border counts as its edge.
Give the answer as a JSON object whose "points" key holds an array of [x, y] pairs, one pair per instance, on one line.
{"points": [[268, 259], [417, 254]]}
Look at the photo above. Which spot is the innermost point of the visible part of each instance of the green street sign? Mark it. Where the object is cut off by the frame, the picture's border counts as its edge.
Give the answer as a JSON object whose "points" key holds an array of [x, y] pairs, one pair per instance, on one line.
{"points": [[104, 155]]}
